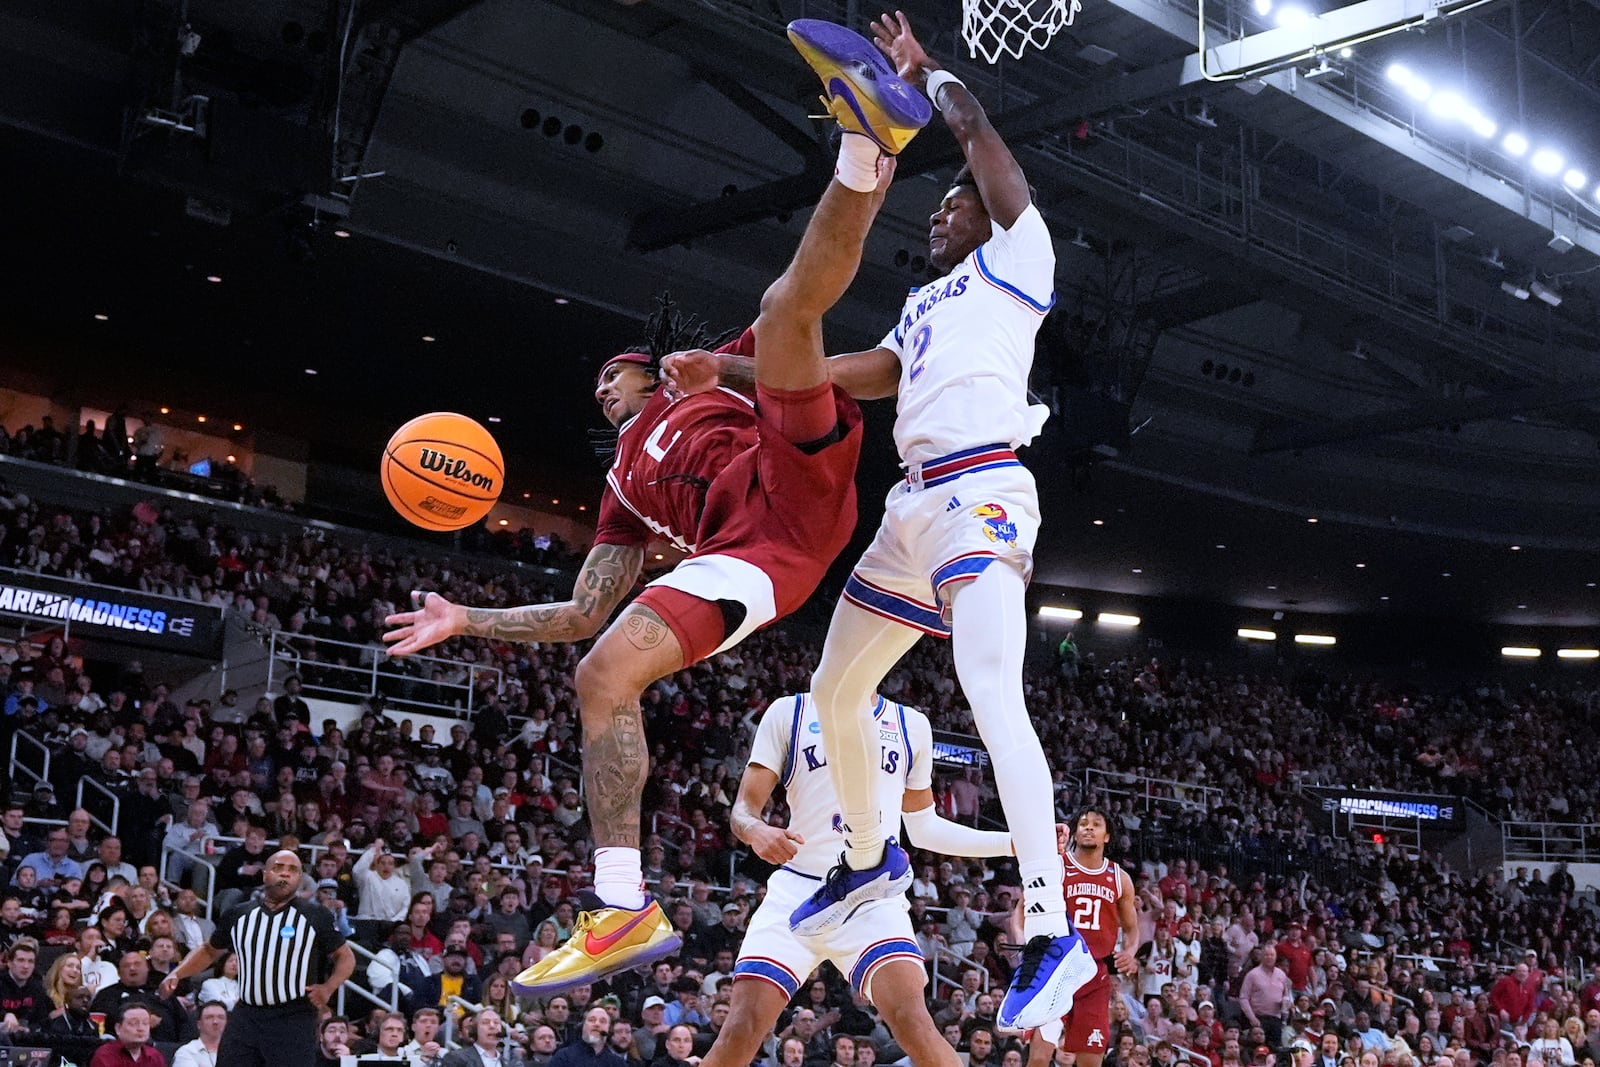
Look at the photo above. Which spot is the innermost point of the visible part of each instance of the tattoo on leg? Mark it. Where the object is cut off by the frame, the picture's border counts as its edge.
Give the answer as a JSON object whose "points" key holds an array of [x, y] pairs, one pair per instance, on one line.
{"points": [[615, 767], [644, 629]]}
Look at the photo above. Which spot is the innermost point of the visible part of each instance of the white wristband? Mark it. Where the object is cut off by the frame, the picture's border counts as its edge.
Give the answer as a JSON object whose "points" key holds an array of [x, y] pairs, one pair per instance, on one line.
{"points": [[937, 81]]}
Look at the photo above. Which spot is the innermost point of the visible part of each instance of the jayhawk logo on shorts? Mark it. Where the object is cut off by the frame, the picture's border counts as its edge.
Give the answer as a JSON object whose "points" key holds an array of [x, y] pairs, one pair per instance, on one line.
{"points": [[996, 527]]}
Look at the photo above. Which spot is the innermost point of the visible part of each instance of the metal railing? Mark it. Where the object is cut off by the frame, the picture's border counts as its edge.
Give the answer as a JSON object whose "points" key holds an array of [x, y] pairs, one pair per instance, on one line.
{"points": [[1145, 793], [962, 963], [192, 865], [100, 796], [26, 742], [367, 672], [365, 959], [1550, 842]]}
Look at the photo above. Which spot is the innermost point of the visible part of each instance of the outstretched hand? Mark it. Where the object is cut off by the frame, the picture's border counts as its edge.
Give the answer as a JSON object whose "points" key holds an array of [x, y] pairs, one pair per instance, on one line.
{"points": [[691, 372], [435, 620], [892, 34]]}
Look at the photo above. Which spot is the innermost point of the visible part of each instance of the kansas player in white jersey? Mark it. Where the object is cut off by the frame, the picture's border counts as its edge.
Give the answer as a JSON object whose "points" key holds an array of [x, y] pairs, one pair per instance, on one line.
{"points": [[875, 947], [955, 550]]}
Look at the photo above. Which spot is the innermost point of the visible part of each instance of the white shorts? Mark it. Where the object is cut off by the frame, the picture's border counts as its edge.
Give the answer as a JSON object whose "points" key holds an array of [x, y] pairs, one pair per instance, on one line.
{"points": [[947, 531], [877, 933]]}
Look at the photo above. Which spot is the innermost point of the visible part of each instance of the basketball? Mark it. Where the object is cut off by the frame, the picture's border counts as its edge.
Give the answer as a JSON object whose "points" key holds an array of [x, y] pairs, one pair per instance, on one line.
{"points": [[442, 471]]}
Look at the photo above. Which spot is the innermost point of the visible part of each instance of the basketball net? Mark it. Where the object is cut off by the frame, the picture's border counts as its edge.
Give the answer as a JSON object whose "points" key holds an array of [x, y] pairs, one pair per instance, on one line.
{"points": [[993, 27]]}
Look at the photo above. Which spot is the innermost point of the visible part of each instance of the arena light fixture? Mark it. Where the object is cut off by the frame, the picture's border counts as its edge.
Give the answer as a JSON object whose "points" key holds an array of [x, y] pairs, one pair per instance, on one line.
{"points": [[1481, 124], [494, 418], [341, 233], [1516, 289], [505, 522], [1256, 635], [311, 370], [1448, 105], [1112, 618], [1547, 161], [428, 338], [563, 301], [1545, 293], [1263, 7], [1575, 179], [1578, 653], [1515, 144], [1323, 640], [1293, 17], [1050, 611], [166, 411], [100, 316], [233, 459], [1520, 652], [214, 279], [199, 418], [1099, 522]]}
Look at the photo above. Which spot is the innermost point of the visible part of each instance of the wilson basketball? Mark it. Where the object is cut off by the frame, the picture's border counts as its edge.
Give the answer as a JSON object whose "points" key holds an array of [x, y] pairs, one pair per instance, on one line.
{"points": [[442, 471]]}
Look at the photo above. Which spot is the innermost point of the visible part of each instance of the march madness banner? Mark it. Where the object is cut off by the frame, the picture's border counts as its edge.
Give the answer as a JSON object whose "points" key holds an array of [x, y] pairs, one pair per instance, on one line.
{"points": [[113, 614]]}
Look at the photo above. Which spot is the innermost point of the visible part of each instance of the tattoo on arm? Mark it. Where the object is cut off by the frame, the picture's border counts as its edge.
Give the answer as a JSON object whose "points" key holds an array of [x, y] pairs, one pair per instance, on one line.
{"points": [[737, 373], [607, 575]]}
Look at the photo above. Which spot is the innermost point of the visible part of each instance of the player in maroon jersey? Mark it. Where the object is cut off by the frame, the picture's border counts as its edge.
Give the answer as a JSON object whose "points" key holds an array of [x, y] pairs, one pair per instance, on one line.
{"points": [[759, 492], [1101, 902]]}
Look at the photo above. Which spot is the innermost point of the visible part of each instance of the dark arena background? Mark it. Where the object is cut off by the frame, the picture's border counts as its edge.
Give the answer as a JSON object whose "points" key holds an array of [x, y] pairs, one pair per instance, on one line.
{"points": [[1314, 612]]}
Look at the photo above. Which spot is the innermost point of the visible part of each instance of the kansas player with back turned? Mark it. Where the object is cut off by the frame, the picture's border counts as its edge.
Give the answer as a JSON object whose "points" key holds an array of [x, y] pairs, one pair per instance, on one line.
{"points": [[875, 948]]}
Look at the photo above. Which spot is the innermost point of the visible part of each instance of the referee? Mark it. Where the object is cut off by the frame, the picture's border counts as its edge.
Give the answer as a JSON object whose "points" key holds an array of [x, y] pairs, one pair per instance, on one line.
{"points": [[280, 941]]}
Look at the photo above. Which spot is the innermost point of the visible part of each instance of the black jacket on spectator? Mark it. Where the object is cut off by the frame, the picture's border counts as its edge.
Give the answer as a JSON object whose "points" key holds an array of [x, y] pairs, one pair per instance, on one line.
{"points": [[579, 1054], [28, 1001], [228, 876], [174, 1025]]}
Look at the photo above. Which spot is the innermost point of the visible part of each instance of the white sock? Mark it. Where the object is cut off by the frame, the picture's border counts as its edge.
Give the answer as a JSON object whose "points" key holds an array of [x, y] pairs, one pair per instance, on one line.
{"points": [[988, 637], [858, 163], [619, 877], [860, 649]]}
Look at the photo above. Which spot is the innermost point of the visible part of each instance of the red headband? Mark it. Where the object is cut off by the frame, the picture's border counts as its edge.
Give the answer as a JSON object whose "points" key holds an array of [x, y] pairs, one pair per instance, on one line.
{"points": [[641, 358]]}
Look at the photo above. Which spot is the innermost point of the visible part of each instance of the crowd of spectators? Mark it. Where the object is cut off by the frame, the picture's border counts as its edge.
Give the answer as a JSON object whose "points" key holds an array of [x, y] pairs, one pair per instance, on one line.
{"points": [[456, 859]]}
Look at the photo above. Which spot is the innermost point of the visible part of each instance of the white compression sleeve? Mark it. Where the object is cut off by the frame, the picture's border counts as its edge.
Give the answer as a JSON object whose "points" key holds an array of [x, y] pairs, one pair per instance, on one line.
{"points": [[860, 649], [988, 636], [928, 829]]}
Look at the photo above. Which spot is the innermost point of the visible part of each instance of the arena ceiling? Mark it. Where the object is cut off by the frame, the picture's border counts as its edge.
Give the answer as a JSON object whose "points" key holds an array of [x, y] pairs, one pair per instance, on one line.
{"points": [[1301, 293]]}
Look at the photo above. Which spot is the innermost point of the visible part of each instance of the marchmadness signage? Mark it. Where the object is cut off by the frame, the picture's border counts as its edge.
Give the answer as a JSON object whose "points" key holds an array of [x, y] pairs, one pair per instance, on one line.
{"points": [[1435, 812], [113, 614], [952, 751]]}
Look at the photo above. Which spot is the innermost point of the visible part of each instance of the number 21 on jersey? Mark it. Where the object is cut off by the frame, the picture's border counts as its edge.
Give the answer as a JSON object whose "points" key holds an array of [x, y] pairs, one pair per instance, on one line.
{"points": [[1086, 916]]}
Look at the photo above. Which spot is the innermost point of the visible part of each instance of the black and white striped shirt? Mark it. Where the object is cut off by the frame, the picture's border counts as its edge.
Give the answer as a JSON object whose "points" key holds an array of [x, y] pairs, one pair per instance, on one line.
{"points": [[280, 952]]}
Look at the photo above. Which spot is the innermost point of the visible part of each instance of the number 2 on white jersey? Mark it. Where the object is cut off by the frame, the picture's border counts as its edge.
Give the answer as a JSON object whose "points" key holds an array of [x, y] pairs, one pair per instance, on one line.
{"points": [[1086, 916], [919, 349]]}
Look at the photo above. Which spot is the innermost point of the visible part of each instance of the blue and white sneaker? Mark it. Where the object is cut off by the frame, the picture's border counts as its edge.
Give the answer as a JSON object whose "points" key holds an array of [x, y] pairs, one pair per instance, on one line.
{"points": [[1052, 971], [862, 90], [844, 891]]}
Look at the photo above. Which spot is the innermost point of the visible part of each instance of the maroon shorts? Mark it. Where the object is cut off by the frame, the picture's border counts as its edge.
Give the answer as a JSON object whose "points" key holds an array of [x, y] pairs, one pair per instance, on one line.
{"points": [[774, 520], [1086, 1029]]}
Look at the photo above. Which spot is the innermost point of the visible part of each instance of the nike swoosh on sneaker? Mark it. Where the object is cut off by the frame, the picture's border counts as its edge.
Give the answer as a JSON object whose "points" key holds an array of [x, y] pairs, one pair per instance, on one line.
{"points": [[595, 946]]}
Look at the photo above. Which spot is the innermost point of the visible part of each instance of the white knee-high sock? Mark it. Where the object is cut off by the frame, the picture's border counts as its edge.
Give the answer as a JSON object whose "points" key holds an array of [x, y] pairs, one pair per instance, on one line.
{"points": [[989, 635], [861, 649]]}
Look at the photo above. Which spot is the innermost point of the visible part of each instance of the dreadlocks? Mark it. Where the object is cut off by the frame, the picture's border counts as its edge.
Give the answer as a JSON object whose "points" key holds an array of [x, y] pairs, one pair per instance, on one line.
{"points": [[668, 329]]}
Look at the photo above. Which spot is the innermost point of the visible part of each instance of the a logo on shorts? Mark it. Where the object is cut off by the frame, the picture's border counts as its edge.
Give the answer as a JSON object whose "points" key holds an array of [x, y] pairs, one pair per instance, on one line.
{"points": [[996, 527], [838, 824], [1097, 1038]]}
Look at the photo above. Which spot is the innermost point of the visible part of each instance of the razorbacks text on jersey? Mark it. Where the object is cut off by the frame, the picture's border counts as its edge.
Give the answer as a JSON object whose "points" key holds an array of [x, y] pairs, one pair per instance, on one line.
{"points": [[789, 742], [965, 344], [667, 456], [1091, 895]]}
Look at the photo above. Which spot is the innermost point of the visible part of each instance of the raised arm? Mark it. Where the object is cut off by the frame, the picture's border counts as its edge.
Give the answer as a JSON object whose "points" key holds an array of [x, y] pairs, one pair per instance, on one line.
{"points": [[1001, 183], [605, 578], [870, 375]]}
